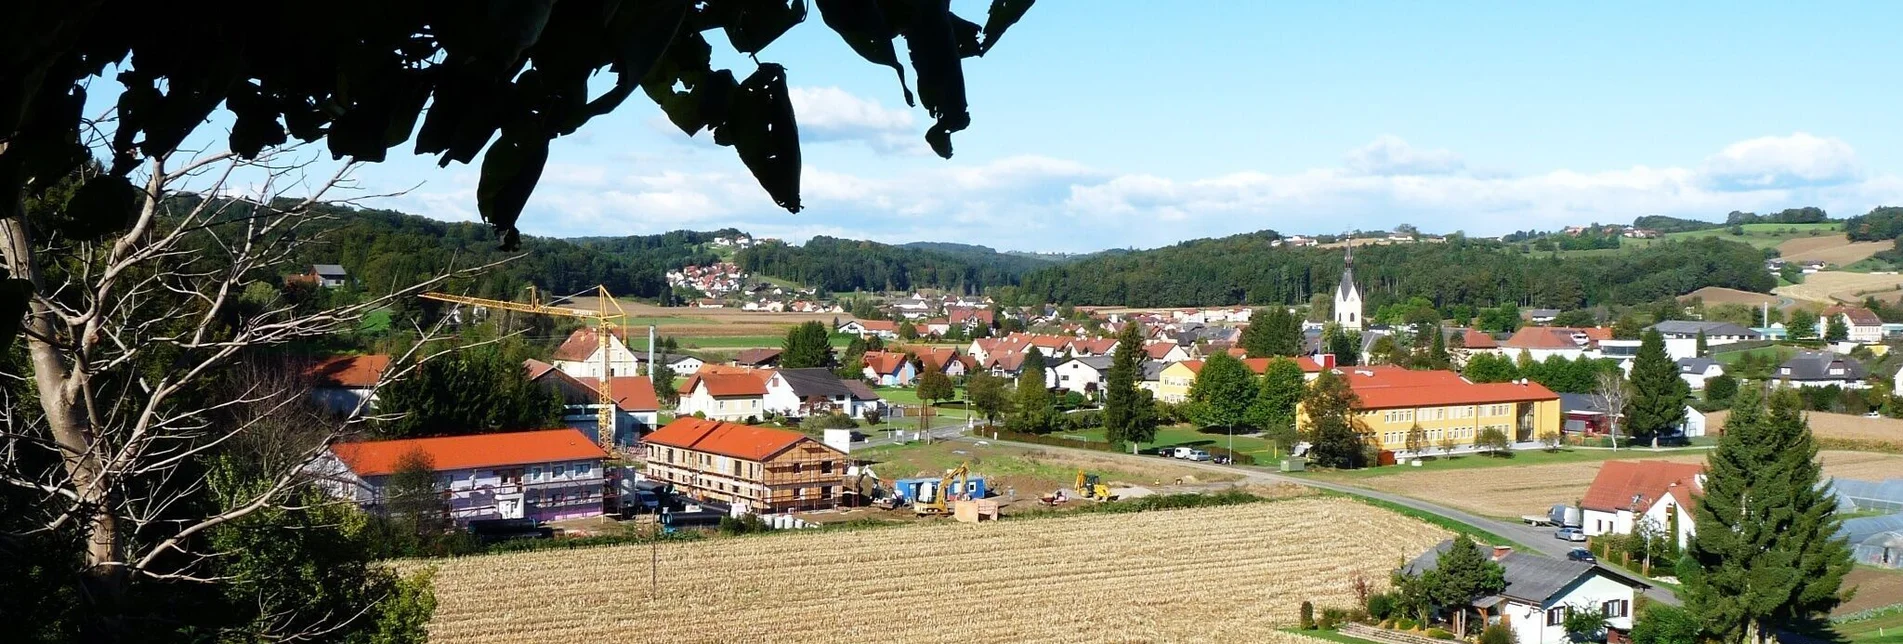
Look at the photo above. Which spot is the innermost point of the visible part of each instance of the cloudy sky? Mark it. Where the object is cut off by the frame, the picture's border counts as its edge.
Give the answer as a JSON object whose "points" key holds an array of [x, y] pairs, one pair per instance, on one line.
{"points": [[1127, 123]]}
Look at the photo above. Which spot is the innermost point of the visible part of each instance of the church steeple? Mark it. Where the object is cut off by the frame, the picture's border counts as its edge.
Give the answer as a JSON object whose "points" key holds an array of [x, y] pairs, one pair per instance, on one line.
{"points": [[1347, 296]]}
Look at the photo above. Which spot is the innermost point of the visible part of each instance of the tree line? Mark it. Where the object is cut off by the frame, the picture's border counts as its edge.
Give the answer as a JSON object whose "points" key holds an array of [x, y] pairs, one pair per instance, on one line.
{"points": [[1248, 269], [841, 265]]}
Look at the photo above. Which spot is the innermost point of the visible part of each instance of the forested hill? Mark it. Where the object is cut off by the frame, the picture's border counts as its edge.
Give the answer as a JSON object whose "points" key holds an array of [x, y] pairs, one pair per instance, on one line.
{"points": [[1245, 269], [382, 248], [846, 265]]}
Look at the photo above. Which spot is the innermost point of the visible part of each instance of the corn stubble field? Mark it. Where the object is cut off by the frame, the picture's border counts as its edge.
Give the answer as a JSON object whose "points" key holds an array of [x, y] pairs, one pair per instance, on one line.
{"points": [[1229, 574]]}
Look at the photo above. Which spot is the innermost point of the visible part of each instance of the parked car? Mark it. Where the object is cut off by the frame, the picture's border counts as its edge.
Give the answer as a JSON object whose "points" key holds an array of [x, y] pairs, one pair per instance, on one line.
{"points": [[1219, 459], [1581, 554], [1198, 455], [1570, 534]]}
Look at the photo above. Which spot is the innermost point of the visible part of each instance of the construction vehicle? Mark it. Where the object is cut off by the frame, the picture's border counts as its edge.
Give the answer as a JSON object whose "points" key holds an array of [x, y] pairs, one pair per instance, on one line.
{"points": [[1091, 487], [933, 502], [608, 322]]}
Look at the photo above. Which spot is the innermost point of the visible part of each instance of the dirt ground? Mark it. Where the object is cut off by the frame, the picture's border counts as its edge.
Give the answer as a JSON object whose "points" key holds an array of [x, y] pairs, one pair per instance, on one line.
{"points": [[696, 322], [1511, 491], [1843, 426], [1715, 295], [1875, 589], [1836, 249], [1833, 286]]}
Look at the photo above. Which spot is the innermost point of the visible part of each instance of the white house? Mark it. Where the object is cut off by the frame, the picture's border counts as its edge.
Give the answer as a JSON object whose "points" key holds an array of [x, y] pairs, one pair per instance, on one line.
{"points": [[346, 384], [1539, 591], [1863, 325], [580, 355], [805, 392], [725, 396], [330, 275], [1082, 374], [1628, 493], [1695, 371], [1681, 336], [1821, 369], [546, 475]]}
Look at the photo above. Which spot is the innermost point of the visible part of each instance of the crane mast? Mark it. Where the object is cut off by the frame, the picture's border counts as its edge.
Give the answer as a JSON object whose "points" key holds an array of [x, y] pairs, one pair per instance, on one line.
{"points": [[607, 322]]}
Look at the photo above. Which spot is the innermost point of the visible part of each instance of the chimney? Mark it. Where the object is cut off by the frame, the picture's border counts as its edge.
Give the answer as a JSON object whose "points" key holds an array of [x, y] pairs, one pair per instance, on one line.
{"points": [[1327, 360], [1501, 552]]}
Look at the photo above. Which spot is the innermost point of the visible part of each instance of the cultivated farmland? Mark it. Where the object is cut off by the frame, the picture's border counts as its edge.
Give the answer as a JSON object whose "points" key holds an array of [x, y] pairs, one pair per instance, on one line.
{"points": [[1512, 491], [1832, 287], [1716, 295], [1225, 574], [1836, 249], [1885, 432]]}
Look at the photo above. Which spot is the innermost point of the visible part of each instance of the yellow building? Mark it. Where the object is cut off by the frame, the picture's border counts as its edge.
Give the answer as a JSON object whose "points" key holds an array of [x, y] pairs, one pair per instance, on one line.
{"points": [[1392, 401], [1172, 384]]}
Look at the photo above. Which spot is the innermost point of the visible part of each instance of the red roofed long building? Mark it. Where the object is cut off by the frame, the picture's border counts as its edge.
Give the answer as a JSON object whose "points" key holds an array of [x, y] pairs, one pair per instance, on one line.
{"points": [[764, 469], [1392, 401], [1627, 493], [546, 475]]}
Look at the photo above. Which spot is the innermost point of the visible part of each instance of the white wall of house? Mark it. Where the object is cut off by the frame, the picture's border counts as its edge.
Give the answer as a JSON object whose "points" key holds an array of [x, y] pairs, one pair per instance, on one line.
{"points": [[1598, 522], [1535, 624], [686, 365], [1697, 380], [780, 399], [722, 407], [1074, 375], [343, 400], [620, 359], [545, 491]]}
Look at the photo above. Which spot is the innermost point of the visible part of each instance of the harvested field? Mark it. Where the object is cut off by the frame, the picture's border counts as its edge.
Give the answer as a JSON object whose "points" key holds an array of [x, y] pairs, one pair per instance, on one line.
{"points": [[1715, 295], [1886, 432], [688, 322], [1831, 287], [1836, 249], [1875, 589], [1225, 574], [1510, 491]]}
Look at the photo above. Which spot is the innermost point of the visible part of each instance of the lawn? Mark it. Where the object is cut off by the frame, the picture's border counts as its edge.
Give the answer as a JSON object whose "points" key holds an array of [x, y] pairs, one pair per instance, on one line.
{"points": [[1884, 627], [1331, 636], [1185, 435], [909, 397], [374, 322], [1728, 358], [665, 320]]}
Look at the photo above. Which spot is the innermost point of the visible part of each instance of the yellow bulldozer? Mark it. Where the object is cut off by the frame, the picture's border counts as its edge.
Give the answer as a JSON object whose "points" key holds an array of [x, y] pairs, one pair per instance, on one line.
{"points": [[1091, 487]]}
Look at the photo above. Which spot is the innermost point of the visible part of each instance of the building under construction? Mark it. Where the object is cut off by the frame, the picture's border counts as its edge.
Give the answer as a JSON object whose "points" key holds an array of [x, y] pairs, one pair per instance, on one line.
{"points": [[758, 469]]}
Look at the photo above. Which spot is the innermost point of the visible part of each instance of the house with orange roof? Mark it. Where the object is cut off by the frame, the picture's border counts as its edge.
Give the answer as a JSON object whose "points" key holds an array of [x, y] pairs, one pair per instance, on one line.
{"points": [[546, 475], [1542, 342], [637, 409], [580, 356], [1626, 494], [1165, 351], [1391, 401], [756, 469], [886, 329], [889, 368], [725, 393], [944, 359], [346, 384]]}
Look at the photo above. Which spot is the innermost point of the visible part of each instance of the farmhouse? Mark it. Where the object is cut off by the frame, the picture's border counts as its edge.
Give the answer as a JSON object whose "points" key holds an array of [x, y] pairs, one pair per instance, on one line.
{"points": [[1864, 326], [756, 469], [724, 396], [805, 392], [1628, 493], [1395, 400], [545, 475], [1540, 590], [757, 358], [346, 384], [1821, 369], [328, 275], [886, 329], [1586, 414], [580, 355], [1541, 342], [1681, 336]]}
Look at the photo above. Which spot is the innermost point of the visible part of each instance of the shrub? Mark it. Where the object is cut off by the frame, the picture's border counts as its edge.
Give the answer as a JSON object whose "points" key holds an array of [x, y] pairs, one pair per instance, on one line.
{"points": [[748, 524], [1381, 605], [1497, 634], [1237, 458], [1439, 634], [1308, 616], [1332, 617], [828, 421], [1405, 624]]}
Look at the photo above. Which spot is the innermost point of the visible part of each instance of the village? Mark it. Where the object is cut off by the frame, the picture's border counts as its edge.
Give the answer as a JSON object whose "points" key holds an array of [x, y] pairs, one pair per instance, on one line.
{"points": [[1515, 436]]}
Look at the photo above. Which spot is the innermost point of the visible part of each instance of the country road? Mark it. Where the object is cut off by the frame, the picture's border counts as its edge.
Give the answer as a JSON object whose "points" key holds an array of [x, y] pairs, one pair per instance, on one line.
{"points": [[1540, 540]]}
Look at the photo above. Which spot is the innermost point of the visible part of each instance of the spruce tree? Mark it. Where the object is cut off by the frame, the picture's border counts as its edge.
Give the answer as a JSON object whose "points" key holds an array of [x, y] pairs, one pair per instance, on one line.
{"points": [[1836, 330], [1765, 556], [1285, 334], [1122, 417], [807, 345], [1034, 411], [1701, 348], [1255, 340], [1658, 395], [1437, 356]]}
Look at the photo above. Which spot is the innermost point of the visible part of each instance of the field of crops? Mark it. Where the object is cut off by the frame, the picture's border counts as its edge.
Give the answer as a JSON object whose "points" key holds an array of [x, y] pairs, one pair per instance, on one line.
{"points": [[1885, 431], [1225, 574], [1513, 491], [1838, 286]]}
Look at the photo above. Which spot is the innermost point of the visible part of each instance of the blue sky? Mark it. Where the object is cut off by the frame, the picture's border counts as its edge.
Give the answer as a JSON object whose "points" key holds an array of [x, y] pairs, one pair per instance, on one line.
{"points": [[1119, 123]]}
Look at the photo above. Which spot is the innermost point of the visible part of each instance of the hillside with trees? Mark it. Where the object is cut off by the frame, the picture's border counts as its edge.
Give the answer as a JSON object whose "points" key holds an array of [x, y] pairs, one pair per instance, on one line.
{"points": [[836, 264], [1247, 269]]}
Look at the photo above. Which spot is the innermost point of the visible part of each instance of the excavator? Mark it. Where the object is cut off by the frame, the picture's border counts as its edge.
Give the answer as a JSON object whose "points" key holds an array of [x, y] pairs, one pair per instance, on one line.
{"points": [[936, 505], [1091, 487]]}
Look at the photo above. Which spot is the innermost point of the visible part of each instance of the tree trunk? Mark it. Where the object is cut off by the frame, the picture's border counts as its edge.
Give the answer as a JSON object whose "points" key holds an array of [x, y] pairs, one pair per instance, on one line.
{"points": [[59, 388]]}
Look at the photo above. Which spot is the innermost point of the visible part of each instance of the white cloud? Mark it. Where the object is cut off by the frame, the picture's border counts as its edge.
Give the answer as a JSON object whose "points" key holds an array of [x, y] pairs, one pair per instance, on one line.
{"points": [[833, 114], [1045, 203], [1389, 155], [1782, 162]]}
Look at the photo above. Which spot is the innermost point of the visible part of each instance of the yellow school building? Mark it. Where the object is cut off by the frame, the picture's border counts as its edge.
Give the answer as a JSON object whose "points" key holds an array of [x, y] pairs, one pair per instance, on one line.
{"points": [[1393, 401]]}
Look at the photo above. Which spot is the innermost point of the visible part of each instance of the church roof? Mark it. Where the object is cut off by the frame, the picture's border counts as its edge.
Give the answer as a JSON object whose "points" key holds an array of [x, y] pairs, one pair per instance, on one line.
{"points": [[1347, 286]]}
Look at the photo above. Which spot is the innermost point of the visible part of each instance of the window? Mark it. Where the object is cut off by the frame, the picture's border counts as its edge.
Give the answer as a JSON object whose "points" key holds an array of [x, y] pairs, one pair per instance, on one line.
{"points": [[1617, 608], [535, 474], [560, 472], [825, 467], [581, 470], [1555, 616]]}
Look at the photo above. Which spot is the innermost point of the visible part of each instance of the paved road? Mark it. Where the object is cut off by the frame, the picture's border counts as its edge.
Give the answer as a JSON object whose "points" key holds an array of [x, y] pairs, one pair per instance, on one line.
{"points": [[1539, 539]]}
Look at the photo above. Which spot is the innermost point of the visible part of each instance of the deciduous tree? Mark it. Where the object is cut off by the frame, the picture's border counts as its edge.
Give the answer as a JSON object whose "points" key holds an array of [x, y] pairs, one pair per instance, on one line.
{"points": [[1034, 411], [1273, 410], [471, 391], [988, 394], [1336, 435], [1221, 393], [934, 386]]}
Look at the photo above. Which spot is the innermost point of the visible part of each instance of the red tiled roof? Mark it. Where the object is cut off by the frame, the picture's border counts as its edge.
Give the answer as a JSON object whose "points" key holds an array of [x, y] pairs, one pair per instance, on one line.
{"points": [[1373, 377], [1457, 394], [579, 345], [726, 439], [886, 362], [727, 385], [757, 357], [1098, 346], [880, 325], [536, 368], [1476, 340], [374, 458], [1539, 337], [354, 372], [1237, 352], [631, 393], [1157, 350], [935, 357], [1618, 481], [1858, 315]]}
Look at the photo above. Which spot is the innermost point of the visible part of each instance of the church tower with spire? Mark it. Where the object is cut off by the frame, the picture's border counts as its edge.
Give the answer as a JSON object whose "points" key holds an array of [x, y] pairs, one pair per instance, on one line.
{"points": [[1347, 297]]}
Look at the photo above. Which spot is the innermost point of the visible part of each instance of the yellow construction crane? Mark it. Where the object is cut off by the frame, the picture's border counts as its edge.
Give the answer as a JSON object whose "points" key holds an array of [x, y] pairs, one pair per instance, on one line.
{"points": [[608, 322]]}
